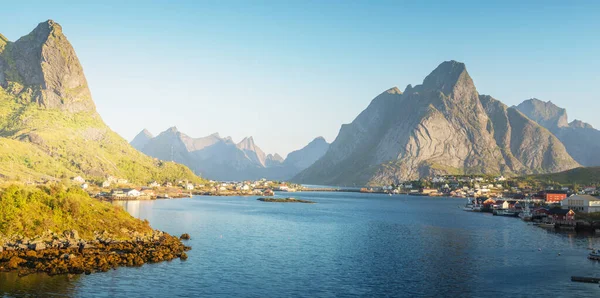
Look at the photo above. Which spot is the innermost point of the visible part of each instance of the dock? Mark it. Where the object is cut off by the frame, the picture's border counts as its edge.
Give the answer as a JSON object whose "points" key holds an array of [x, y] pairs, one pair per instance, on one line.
{"points": [[593, 280]]}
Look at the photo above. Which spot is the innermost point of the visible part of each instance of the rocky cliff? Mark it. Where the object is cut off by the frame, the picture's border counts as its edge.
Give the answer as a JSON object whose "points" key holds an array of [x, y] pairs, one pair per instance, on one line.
{"points": [[42, 67], [443, 126], [581, 139]]}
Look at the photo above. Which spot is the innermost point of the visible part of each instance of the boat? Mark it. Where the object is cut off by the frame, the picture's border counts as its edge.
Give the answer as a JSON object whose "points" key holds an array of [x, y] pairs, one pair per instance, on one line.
{"points": [[526, 214], [547, 225], [594, 255], [509, 213], [468, 206]]}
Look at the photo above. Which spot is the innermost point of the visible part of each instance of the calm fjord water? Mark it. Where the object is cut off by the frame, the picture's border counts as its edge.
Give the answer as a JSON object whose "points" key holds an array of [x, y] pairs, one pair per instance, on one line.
{"points": [[349, 244]]}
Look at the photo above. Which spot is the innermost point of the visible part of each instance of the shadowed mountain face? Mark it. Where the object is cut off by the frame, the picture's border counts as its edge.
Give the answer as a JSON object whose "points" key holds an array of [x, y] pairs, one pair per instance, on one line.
{"points": [[581, 139], [221, 158], [442, 126], [49, 127]]}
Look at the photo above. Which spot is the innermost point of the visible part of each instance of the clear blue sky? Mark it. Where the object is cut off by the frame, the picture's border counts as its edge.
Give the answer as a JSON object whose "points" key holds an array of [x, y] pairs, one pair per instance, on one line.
{"points": [[288, 71]]}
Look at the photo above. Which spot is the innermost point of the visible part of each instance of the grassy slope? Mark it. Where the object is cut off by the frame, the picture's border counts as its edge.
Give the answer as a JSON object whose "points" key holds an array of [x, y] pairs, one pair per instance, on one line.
{"points": [[31, 211], [37, 142], [582, 175]]}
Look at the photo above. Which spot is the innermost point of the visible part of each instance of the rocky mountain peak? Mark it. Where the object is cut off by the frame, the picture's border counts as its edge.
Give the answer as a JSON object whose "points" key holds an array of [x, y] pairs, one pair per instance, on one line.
{"points": [[172, 129], [448, 77], [43, 68], [545, 113], [141, 139], [247, 143], [393, 90], [580, 124]]}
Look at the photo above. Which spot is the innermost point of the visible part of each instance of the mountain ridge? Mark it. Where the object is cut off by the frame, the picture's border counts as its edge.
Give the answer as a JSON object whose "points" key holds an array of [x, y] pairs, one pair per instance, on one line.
{"points": [[442, 126]]}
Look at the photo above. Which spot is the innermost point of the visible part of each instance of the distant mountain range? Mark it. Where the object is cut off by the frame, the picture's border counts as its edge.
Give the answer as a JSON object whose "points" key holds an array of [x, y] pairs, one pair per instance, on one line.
{"points": [[49, 127], [581, 139], [443, 126], [220, 158]]}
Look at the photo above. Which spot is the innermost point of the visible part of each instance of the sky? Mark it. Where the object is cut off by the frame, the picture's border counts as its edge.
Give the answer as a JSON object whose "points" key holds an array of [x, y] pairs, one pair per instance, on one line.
{"points": [[286, 72]]}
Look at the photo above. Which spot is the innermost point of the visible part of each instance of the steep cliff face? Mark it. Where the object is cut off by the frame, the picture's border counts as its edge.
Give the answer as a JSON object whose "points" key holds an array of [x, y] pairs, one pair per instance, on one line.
{"points": [[42, 67], [440, 126], [581, 140], [49, 128]]}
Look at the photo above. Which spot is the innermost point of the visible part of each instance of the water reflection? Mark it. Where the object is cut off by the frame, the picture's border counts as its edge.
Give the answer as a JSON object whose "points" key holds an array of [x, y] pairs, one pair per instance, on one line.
{"points": [[36, 285]]}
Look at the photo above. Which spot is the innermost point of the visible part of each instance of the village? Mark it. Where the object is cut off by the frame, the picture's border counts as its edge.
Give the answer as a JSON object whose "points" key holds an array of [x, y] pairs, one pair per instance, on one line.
{"points": [[121, 189], [552, 205]]}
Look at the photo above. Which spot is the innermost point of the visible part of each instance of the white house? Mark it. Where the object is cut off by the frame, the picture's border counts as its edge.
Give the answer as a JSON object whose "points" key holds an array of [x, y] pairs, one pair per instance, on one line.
{"points": [[79, 180], [154, 184], [189, 186], [246, 187], [85, 186], [438, 180], [132, 192], [581, 203], [106, 183]]}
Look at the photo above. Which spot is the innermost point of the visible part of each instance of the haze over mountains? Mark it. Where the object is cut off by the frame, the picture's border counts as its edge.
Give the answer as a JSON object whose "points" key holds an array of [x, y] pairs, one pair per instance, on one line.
{"points": [[443, 126], [49, 127], [220, 158], [581, 139]]}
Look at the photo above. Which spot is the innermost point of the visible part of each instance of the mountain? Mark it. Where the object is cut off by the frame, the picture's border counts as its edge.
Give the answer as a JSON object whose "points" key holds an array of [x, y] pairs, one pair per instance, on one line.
{"points": [[303, 158], [222, 159], [141, 139], [581, 139], [49, 127], [443, 126]]}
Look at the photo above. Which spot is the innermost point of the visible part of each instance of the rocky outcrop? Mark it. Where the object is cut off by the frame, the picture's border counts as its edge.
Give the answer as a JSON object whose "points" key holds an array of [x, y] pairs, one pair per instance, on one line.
{"points": [[442, 126], [42, 67], [55, 254], [581, 140]]}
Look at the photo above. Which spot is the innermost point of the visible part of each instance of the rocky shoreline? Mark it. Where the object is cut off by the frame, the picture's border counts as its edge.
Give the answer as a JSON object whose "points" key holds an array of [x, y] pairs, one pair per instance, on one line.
{"points": [[68, 254]]}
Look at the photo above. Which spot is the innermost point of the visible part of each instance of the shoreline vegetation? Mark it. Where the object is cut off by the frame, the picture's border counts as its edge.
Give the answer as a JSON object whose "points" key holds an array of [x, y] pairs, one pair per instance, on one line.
{"points": [[285, 200], [96, 237]]}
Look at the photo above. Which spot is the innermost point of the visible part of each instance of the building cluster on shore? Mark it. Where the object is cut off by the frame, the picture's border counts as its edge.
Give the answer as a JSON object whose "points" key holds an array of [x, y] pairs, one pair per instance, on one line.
{"points": [[121, 189]]}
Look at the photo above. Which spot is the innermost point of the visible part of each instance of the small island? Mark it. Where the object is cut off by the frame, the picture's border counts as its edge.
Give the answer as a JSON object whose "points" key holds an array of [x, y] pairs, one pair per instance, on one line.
{"points": [[285, 200]]}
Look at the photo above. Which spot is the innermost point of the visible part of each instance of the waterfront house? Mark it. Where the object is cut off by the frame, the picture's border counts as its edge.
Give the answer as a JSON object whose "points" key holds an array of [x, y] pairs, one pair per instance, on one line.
{"points": [[147, 192], [561, 214], [501, 204], [268, 192], [582, 203], [154, 184], [554, 197], [541, 211], [117, 193], [127, 192], [189, 186]]}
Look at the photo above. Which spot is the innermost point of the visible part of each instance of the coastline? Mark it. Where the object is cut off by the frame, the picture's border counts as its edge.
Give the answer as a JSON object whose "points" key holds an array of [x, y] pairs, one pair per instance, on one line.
{"points": [[55, 254]]}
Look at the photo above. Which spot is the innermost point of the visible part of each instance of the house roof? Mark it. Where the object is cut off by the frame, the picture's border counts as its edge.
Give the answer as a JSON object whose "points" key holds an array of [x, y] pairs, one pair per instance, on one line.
{"points": [[586, 197], [559, 211]]}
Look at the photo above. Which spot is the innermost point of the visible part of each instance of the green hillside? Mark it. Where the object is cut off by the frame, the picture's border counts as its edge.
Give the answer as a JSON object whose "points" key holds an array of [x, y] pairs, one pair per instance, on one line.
{"points": [[31, 211], [48, 143], [581, 175]]}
